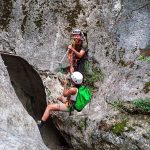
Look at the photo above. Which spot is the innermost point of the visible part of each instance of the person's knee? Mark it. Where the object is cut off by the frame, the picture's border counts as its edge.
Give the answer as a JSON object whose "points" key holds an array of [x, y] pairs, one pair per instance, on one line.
{"points": [[49, 107], [53, 107]]}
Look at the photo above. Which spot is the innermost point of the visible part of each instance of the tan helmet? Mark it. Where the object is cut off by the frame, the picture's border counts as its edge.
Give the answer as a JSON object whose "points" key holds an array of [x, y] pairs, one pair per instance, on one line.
{"points": [[77, 77]]}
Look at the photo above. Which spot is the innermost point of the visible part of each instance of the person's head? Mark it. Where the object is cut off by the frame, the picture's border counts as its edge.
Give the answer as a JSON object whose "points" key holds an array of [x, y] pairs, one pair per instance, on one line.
{"points": [[76, 33], [77, 78]]}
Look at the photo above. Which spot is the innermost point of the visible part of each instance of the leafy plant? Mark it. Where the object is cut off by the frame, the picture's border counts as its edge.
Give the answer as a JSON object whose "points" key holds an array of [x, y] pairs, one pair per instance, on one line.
{"points": [[92, 74], [143, 104], [119, 127], [116, 104], [147, 87], [82, 124], [143, 58]]}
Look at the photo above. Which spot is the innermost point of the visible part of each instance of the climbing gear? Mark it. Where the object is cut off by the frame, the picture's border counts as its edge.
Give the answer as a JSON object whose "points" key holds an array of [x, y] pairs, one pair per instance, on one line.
{"points": [[69, 105], [63, 57], [76, 31], [83, 98], [83, 34], [71, 56], [77, 77], [84, 37], [60, 63]]}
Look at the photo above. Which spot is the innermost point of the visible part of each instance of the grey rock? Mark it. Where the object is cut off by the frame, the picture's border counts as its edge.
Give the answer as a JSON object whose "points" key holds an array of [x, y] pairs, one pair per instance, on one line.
{"points": [[18, 130], [117, 32]]}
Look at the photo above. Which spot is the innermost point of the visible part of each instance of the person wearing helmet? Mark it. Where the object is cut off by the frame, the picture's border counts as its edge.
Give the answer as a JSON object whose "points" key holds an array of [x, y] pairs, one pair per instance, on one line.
{"points": [[78, 50], [68, 98]]}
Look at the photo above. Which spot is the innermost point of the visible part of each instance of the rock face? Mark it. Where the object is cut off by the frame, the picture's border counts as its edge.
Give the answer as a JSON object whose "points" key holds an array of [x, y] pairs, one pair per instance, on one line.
{"points": [[17, 129], [117, 32]]}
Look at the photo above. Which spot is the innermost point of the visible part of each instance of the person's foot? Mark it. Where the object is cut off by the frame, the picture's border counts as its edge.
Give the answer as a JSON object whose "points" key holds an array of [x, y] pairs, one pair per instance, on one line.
{"points": [[40, 123]]}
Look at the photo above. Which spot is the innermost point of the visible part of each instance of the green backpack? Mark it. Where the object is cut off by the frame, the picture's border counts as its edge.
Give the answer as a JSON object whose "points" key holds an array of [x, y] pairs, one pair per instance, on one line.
{"points": [[84, 96]]}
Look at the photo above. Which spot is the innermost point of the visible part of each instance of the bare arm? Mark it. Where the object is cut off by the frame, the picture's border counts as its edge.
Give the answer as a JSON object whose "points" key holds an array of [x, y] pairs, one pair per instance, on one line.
{"points": [[69, 92], [78, 54], [70, 59]]}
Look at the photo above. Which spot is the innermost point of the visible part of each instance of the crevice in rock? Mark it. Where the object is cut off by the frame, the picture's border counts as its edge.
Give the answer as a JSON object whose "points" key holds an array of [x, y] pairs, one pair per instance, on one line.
{"points": [[27, 84], [30, 91]]}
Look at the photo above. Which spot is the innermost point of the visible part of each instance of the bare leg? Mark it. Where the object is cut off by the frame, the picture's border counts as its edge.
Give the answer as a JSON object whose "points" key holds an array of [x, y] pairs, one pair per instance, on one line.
{"points": [[62, 99], [53, 107]]}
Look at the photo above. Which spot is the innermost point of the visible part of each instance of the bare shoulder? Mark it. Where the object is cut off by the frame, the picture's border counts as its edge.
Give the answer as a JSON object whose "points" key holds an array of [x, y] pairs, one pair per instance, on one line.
{"points": [[73, 90]]}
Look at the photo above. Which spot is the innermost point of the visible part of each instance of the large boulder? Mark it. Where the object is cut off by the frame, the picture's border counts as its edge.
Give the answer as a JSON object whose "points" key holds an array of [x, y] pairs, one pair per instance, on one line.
{"points": [[18, 130]]}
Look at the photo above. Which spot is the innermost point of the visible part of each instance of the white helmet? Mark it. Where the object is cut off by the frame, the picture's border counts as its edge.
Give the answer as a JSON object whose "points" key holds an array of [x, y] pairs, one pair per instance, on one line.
{"points": [[76, 31], [77, 77]]}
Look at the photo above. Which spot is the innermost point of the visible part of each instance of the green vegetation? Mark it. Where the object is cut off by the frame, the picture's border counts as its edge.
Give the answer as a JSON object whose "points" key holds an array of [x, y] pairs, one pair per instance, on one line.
{"points": [[39, 21], [82, 124], [117, 104], [143, 58], [138, 106], [119, 127], [147, 87], [72, 15], [143, 104], [92, 74]]}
